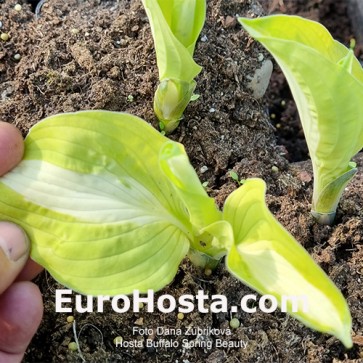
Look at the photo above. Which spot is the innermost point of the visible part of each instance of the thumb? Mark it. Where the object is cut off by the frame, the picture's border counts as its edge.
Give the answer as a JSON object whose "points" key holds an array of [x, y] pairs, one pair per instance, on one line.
{"points": [[14, 251]]}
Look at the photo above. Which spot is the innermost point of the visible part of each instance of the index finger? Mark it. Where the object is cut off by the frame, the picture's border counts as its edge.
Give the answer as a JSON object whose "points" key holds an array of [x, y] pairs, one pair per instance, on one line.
{"points": [[11, 147], [14, 250], [11, 153]]}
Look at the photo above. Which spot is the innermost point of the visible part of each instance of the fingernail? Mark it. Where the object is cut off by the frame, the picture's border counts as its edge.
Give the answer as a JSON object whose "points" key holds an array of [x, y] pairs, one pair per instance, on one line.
{"points": [[13, 241]]}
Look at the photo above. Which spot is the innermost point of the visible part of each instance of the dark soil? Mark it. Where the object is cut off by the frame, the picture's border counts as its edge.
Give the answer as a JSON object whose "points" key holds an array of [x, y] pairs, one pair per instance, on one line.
{"points": [[95, 55]]}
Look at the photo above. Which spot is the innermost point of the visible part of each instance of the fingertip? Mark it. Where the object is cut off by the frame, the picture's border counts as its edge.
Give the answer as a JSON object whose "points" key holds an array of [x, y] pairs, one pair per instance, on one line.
{"points": [[11, 147], [13, 241], [21, 311], [14, 251]]}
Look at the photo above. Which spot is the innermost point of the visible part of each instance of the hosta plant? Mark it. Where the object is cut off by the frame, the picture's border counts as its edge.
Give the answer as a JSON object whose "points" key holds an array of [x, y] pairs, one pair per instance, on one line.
{"points": [[326, 81], [175, 26], [110, 206]]}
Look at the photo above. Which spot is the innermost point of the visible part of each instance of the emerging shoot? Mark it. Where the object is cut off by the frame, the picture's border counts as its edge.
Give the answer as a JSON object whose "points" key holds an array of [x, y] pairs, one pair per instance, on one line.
{"points": [[175, 26], [326, 81]]}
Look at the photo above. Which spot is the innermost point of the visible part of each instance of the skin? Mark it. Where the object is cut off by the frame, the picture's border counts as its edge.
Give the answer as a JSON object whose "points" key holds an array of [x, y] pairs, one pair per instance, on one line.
{"points": [[21, 305]]}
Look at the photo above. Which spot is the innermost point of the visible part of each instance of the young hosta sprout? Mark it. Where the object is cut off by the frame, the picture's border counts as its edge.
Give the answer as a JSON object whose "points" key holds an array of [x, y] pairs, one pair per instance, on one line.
{"points": [[175, 26], [326, 81], [170, 100], [111, 206]]}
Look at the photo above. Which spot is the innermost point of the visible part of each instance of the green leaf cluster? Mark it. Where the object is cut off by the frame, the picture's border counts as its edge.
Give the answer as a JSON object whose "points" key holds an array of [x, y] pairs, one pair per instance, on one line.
{"points": [[110, 205]]}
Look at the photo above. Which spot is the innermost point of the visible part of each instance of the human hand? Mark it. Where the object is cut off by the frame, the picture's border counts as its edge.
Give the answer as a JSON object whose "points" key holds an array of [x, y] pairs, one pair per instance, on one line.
{"points": [[21, 306]]}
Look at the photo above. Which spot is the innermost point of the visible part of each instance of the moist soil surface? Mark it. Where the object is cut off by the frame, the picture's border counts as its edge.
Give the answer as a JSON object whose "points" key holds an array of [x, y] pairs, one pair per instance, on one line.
{"points": [[78, 55]]}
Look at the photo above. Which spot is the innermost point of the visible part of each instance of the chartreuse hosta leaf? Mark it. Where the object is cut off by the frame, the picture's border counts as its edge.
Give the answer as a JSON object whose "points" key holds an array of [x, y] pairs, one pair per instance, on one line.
{"points": [[175, 26], [90, 196], [326, 81], [111, 205], [269, 260]]}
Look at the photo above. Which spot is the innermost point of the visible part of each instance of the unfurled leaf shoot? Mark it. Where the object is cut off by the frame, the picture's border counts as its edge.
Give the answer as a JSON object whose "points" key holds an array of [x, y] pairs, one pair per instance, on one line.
{"points": [[175, 26], [326, 81], [110, 206]]}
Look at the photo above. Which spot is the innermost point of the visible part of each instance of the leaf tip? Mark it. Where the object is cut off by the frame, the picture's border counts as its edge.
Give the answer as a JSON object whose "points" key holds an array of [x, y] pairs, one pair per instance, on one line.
{"points": [[345, 337]]}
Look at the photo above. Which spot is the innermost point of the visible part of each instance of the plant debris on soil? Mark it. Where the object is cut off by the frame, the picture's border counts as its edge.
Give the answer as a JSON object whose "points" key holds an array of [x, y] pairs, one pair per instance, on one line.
{"points": [[78, 55]]}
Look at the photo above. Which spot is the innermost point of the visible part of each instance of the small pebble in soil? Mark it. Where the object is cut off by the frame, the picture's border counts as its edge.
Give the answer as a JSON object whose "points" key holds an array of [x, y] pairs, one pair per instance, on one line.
{"points": [[207, 272], [5, 36], [283, 103], [211, 110], [229, 21], [274, 169], [272, 116], [234, 323], [74, 31], [17, 56], [117, 339], [304, 176], [261, 79], [70, 319], [203, 169], [139, 321], [180, 316], [260, 57], [72, 346], [141, 305], [17, 7], [204, 38]]}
